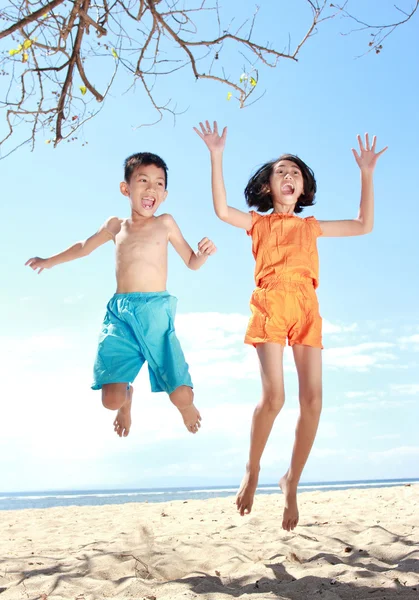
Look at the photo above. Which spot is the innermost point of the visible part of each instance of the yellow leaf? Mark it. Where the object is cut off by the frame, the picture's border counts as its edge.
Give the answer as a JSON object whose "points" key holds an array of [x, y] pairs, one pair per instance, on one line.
{"points": [[114, 53], [45, 16], [47, 141], [15, 51], [27, 44], [83, 89], [243, 77], [253, 82], [25, 57], [229, 96]]}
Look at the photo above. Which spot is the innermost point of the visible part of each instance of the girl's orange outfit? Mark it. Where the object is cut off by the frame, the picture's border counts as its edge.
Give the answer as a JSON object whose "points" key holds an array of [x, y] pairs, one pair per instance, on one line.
{"points": [[284, 303]]}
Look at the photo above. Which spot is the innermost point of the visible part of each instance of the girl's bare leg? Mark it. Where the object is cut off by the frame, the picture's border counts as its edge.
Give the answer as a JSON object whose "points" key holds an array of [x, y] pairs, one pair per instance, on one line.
{"points": [[118, 396], [309, 367], [271, 369]]}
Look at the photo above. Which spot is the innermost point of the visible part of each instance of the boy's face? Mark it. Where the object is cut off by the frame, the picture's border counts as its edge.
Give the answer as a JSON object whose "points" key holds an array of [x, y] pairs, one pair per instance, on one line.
{"points": [[286, 182], [146, 189]]}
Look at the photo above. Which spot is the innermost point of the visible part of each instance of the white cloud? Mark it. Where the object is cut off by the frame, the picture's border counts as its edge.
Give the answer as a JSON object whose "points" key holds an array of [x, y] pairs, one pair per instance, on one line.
{"points": [[325, 452], [411, 339], [55, 419], [375, 404], [73, 299], [331, 328], [400, 452], [211, 330], [359, 394], [358, 357], [408, 389]]}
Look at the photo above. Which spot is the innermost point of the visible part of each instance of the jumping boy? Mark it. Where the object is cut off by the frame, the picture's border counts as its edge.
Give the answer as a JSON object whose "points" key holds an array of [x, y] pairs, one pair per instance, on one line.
{"points": [[139, 322]]}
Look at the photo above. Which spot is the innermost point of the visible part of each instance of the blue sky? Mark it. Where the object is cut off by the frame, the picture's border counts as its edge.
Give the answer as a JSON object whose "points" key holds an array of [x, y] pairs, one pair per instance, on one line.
{"points": [[55, 433]]}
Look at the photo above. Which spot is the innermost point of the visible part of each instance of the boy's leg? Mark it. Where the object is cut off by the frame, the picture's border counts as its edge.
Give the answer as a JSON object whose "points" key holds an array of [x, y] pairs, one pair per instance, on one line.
{"points": [[168, 369], [182, 398], [273, 396], [118, 396], [308, 361]]}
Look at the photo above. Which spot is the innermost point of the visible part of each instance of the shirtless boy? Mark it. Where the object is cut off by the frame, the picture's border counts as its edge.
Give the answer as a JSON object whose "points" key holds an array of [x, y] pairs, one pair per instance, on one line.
{"points": [[139, 321]]}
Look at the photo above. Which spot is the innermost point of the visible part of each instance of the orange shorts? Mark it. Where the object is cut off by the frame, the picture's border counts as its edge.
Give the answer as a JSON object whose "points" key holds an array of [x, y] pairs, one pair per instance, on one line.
{"points": [[284, 310]]}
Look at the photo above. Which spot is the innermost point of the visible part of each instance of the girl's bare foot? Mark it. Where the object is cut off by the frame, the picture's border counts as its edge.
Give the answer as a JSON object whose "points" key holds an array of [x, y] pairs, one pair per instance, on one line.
{"points": [[291, 516], [191, 417], [246, 493], [122, 423]]}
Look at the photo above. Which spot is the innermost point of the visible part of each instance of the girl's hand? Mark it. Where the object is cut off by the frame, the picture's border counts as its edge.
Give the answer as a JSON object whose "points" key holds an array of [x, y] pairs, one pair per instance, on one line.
{"points": [[38, 264], [367, 158], [214, 141]]}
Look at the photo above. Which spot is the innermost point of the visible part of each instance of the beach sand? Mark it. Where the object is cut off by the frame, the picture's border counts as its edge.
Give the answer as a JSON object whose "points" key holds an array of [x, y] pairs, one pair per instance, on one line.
{"points": [[355, 544]]}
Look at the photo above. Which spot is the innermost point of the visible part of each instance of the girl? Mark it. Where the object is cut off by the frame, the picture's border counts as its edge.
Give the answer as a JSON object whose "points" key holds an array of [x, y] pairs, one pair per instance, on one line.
{"points": [[284, 304]]}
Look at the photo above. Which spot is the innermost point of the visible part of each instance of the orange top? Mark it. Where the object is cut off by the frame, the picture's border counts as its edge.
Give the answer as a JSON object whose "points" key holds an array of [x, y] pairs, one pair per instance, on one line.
{"points": [[285, 248]]}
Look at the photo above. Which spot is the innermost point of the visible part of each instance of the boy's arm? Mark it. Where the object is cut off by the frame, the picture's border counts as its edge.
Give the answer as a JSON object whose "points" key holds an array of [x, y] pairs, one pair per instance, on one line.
{"points": [[193, 260], [366, 160], [107, 232], [215, 144]]}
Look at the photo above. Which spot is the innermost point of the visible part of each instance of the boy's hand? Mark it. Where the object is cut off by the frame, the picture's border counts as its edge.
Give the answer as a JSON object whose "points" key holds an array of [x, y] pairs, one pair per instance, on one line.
{"points": [[207, 247], [367, 158], [38, 263], [214, 141]]}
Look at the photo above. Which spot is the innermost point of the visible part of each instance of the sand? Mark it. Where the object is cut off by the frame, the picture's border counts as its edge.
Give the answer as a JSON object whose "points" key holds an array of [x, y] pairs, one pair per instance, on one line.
{"points": [[357, 544]]}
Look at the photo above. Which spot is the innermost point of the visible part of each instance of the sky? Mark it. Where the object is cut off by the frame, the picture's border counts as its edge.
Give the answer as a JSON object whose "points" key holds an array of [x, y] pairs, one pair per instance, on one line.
{"points": [[55, 434]]}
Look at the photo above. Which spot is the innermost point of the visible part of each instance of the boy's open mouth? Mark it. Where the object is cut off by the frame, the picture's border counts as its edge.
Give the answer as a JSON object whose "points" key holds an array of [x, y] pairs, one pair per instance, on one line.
{"points": [[287, 189], [148, 202]]}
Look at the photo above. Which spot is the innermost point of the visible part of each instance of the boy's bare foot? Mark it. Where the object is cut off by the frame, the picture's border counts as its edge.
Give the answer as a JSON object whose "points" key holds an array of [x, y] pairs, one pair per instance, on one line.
{"points": [[122, 423], [182, 398], [291, 516], [246, 493], [191, 417]]}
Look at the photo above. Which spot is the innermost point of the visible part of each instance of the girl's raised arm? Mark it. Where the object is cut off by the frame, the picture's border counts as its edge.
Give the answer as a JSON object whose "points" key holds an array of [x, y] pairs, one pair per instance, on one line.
{"points": [[366, 160], [215, 144]]}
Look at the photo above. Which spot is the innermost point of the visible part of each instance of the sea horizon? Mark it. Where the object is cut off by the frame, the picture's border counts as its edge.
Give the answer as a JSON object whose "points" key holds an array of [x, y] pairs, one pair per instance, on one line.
{"points": [[156, 494]]}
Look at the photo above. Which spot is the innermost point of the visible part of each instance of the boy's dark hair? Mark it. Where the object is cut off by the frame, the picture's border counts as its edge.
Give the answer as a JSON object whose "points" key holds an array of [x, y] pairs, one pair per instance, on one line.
{"points": [[257, 193], [143, 158]]}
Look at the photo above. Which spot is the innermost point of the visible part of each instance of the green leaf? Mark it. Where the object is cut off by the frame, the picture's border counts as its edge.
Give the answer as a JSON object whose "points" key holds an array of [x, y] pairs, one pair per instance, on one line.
{"points": [[114, 53], [253, 82], [83, 89], [229, 96]]}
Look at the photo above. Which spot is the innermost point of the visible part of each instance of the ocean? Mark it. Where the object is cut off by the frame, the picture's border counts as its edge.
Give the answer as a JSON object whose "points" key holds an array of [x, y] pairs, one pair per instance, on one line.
{"points": [[49, 499]]}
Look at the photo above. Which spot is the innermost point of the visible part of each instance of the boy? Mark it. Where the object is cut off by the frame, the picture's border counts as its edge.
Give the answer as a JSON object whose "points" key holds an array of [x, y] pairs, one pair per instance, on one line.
{"points": [[139, 322]]}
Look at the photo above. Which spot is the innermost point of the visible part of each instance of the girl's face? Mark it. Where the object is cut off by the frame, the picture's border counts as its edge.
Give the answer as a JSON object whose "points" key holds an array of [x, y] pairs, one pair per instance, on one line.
{"points": [[286, 183]]}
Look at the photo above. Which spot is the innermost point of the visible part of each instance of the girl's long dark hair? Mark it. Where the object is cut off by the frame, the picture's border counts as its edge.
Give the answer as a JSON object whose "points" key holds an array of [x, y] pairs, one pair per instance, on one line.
{"points": [[257, 190]]}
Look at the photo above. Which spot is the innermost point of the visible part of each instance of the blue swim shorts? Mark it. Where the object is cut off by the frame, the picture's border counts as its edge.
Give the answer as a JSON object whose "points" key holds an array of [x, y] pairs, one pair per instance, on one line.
{"points": [[139, 327]]}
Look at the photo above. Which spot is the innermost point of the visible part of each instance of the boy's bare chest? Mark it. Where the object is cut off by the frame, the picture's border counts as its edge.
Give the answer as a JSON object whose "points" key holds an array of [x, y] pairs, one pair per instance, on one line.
{"points": [[151, 239]]}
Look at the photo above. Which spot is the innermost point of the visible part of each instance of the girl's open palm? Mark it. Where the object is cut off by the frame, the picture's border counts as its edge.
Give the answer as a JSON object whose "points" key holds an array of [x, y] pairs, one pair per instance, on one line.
{"points": [[367, 157], [211, 137]]}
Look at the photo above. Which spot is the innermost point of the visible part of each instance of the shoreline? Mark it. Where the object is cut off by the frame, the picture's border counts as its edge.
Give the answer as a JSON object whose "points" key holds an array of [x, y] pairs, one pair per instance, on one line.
{"points": [[100, 497]]}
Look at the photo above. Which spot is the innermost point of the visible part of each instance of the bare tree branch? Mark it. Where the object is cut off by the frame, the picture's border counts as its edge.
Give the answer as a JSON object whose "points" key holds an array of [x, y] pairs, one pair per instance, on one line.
{"points": [[378, 33], [30, 18], [52, 47]]}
